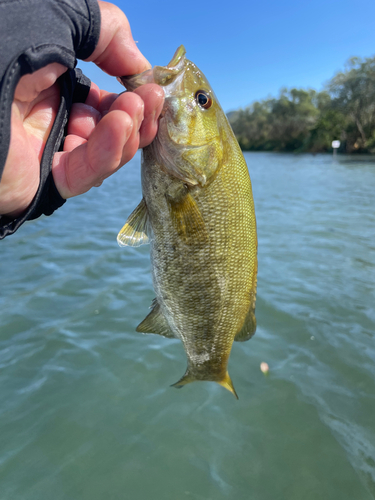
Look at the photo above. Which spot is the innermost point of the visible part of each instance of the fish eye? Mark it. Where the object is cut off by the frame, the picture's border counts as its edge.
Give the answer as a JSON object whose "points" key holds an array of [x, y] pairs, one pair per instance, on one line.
{"points": [[203, 98]]}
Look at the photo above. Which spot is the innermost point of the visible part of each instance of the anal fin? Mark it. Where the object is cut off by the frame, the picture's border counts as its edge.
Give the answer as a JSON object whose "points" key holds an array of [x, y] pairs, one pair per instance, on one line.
{"points": [[155, 322]]}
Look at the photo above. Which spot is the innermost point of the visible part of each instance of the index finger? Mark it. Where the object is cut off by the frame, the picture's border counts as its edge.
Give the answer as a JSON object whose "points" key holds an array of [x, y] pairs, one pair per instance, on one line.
{"points": [[116, 52]]}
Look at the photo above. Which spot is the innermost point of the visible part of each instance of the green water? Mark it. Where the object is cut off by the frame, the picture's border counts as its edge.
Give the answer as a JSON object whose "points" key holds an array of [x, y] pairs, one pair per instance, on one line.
{"points": [[86, 407]]}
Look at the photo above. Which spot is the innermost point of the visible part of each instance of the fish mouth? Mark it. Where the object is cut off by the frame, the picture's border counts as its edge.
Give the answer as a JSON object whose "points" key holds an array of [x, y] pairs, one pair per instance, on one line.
{"points": [[162, 75], [178, 56], [165, 75]]}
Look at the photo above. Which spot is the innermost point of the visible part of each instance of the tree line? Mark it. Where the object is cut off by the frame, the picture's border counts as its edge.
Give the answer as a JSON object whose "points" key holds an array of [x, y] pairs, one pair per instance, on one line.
{"points": [[308, 121]]}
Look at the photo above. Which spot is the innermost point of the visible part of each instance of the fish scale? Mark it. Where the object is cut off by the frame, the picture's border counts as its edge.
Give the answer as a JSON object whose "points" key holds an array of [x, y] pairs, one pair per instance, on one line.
{"points": [[198, 213]]}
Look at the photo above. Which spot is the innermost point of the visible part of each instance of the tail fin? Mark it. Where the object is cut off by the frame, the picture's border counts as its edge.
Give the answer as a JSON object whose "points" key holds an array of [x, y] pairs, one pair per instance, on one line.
{"points": [[185, 379], [228, 384], [225, 382]]}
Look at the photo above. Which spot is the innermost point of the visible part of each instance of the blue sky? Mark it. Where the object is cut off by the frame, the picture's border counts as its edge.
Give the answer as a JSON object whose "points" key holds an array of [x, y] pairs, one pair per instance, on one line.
{"points": [[250, 49]]}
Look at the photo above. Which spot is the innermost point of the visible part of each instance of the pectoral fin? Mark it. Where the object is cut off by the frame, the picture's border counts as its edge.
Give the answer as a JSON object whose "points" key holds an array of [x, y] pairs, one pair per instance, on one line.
{"points": [[155, 322], [186, 216], [136, 229]]}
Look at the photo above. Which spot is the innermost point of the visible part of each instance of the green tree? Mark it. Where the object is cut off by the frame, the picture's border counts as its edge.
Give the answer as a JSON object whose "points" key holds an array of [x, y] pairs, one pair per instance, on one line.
{"points": [[330, 125], [292, 116], [353, 95], [281, 124], [306, 120]]}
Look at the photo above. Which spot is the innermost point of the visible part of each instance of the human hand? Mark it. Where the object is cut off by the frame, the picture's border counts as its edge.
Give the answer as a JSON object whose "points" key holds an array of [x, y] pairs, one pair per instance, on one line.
{"points": [[103, 134]]}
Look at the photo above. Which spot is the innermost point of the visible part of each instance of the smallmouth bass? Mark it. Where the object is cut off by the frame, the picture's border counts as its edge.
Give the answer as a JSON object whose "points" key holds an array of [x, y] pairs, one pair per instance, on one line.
{"points": [[198, 214]]}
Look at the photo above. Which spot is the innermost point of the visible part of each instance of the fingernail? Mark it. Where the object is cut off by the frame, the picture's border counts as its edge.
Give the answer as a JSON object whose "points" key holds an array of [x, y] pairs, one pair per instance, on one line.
{"points": [[155, 117]]}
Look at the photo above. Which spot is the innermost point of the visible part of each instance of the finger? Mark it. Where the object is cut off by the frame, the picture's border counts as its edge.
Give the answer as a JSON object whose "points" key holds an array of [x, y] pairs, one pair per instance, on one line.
{"points": [[83, 118], [133, 105], [93, 98], [113, 142], [89, 164], [82, 121], [100, 99], [106, 101], [153, 99], [116, 52], [73, 141]]}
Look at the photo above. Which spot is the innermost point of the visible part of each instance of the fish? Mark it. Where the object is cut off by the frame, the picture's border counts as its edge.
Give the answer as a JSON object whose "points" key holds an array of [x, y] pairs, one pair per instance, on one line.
{"points": [[197, 213]]}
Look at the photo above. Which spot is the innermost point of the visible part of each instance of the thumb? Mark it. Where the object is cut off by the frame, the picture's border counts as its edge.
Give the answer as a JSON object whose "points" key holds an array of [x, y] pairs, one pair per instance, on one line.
{"points": [[116, 52]]}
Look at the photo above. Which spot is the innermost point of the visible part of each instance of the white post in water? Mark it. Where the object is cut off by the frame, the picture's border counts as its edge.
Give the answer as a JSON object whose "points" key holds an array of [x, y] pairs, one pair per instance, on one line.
{"points": [[335, 147]]}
